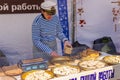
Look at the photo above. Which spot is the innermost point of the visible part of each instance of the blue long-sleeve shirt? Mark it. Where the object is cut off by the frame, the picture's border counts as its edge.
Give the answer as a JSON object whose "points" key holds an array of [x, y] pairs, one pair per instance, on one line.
{"points": [[46, 30]]}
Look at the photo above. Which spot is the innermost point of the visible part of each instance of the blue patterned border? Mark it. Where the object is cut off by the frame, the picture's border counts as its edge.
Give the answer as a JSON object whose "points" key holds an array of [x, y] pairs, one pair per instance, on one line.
{"points": [[63, 16]]}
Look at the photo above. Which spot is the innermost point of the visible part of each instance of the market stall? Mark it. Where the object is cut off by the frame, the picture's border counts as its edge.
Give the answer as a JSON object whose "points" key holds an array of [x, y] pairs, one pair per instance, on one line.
{"points": [[88, 65], [107, 73], [91, 63]]}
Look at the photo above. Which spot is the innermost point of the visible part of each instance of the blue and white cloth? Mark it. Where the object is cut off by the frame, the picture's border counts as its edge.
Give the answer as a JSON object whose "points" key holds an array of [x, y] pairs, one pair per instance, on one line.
{"points": [[63, 16]]}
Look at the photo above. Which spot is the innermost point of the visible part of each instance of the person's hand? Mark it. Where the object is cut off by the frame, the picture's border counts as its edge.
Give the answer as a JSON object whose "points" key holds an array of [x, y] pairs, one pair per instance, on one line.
{"points": [[67, 47], [67, 43], [54, 54]]}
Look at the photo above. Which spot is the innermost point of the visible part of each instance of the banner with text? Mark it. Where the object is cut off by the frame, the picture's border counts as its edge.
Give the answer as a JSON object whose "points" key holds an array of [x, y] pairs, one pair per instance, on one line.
{"points": [[106, 73], [20, 6]]}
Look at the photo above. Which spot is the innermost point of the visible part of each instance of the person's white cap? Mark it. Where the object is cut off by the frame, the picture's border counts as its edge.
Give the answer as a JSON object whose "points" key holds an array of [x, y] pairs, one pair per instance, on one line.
{"points": [[47, 5]]}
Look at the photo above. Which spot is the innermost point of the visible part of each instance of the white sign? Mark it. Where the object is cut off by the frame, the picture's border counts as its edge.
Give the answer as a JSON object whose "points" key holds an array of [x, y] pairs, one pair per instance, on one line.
{"points": [[107, 73]]}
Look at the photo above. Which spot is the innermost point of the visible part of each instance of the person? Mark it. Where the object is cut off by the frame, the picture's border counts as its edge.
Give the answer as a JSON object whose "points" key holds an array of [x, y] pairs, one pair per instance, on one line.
{"points": [[45, 29], [3, 59]]}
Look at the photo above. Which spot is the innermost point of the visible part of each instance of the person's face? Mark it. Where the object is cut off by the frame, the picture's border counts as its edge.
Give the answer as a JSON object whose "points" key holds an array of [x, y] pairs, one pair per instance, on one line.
{"points": [[47, 16], [49, 13]]}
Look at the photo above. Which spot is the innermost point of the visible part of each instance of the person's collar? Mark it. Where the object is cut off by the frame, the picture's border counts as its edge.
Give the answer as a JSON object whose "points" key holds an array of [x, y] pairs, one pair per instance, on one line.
{"points": [[43, 16]]}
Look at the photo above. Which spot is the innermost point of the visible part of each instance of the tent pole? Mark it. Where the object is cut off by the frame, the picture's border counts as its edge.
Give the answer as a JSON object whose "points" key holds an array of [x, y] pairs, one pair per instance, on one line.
{"points": [[74, 20]]}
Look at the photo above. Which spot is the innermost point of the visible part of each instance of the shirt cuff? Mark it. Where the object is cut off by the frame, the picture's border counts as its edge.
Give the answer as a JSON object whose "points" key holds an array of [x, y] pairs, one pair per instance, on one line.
{"points": [[49, 52], [65, 39]]}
